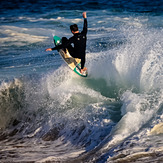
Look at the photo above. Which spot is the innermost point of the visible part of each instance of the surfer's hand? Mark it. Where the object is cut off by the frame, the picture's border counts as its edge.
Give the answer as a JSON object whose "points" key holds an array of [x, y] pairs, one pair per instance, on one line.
{"points": [[49, 49], [84, 15]]}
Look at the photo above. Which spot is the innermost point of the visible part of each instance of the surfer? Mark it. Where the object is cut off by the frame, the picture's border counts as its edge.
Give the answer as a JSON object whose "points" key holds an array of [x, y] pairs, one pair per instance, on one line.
{"points": [[79, 40]]}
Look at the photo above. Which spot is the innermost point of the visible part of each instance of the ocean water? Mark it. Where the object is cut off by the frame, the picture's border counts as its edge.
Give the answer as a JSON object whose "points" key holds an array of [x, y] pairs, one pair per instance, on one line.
{"points": [[49, 114]]}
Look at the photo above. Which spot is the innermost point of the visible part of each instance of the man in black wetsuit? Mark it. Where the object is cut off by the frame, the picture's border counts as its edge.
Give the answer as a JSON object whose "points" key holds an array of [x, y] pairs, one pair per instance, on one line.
{"points": [[79, 40]]}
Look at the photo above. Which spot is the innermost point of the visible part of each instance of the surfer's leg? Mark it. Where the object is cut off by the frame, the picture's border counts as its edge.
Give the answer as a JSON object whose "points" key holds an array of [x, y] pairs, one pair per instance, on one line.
{"points": [[71, 51], [82, 62], [64, 42], [70, 48]]}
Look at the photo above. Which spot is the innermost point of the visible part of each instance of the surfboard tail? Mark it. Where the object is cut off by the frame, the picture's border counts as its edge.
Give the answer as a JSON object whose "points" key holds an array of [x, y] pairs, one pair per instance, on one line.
{"points": [[77, 69]]}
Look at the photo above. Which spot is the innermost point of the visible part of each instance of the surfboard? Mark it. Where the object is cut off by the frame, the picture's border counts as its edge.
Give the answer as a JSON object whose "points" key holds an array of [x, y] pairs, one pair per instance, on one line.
{"points": [[73, 63]]}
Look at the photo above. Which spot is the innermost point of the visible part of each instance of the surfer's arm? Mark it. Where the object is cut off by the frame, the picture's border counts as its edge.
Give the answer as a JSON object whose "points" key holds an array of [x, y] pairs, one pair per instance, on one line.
{"points": [[55, 48], [65, 45], [85, 23]]}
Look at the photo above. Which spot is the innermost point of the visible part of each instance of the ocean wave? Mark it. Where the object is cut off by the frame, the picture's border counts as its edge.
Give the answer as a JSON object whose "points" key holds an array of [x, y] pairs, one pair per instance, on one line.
{"points": [[112, 115], [19, 36]]}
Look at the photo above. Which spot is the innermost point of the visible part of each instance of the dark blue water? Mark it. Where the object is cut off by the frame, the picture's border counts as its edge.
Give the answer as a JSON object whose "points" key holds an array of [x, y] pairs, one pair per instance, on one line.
{"points": [[39, 7], [48, 113]]}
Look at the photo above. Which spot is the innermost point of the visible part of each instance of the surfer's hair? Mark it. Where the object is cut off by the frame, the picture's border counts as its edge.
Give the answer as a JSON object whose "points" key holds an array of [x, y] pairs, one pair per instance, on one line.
{"points": [[74, 27]]}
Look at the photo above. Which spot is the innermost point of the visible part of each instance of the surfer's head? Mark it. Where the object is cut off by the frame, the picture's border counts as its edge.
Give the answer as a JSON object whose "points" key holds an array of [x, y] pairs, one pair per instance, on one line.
{"points": [[74, 28]]}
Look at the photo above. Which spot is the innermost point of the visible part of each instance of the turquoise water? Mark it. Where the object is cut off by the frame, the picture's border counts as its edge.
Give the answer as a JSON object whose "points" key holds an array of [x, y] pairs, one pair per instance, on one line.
{"points": [[48, 113]]}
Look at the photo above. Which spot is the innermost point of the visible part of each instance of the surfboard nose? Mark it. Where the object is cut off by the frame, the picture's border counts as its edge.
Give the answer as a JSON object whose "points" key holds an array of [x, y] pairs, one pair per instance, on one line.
{"points": [[57, 40]]}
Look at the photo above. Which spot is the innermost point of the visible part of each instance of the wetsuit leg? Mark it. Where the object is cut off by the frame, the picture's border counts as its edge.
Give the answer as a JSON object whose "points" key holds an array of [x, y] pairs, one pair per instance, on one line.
{"points": [[64, 42], [82, 62], [70, 48], [71, 51]]}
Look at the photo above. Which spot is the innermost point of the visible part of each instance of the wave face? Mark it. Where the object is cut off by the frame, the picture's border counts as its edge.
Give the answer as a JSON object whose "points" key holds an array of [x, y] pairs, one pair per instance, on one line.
{"points": [[49, 114]]}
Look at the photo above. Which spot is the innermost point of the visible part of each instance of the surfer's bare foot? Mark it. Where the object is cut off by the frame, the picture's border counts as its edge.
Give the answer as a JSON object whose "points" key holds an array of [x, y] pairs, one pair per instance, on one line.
{"points": [[84, 69]]}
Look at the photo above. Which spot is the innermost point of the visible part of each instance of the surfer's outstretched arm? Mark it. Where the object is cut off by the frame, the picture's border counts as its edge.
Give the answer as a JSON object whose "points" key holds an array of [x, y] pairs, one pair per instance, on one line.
{"points": [[55, 48], [85, 23]]}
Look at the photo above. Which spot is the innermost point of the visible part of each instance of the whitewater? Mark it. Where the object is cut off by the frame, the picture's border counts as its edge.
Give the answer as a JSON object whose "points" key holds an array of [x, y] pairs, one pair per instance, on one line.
{"points": [[50, 114]]}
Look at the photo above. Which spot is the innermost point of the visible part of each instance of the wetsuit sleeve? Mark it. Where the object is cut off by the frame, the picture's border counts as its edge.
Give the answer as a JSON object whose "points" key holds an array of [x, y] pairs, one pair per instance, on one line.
{"points": [[85, 26], [65, 45], [56, 48]]}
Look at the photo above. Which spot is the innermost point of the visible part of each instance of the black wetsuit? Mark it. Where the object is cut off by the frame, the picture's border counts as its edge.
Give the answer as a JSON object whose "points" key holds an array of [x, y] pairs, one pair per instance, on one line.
{"points": [[79, 41]]}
